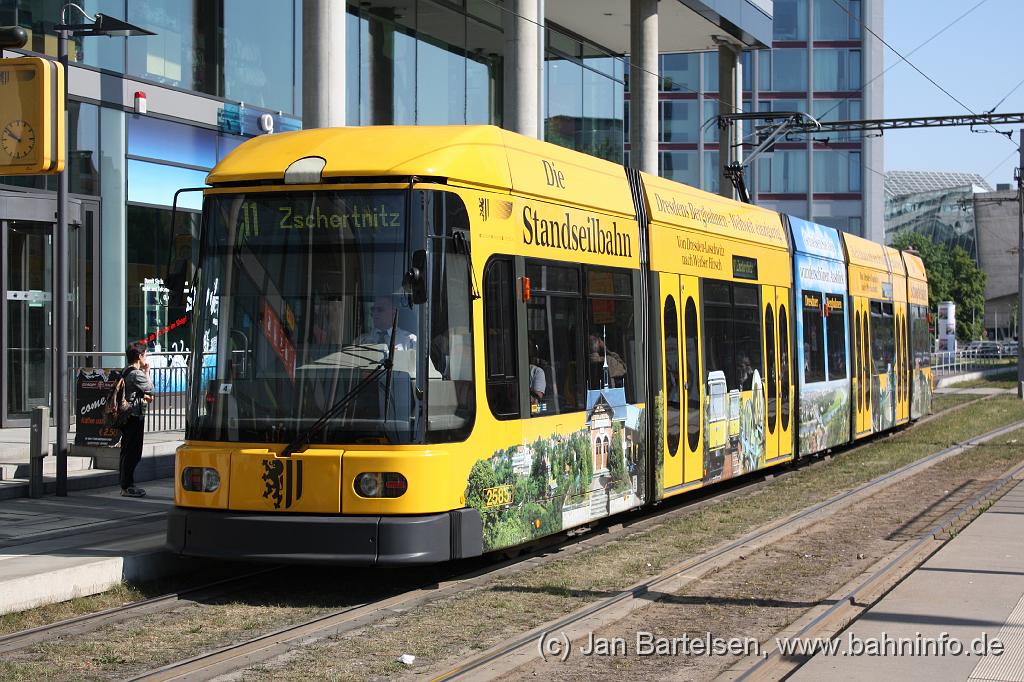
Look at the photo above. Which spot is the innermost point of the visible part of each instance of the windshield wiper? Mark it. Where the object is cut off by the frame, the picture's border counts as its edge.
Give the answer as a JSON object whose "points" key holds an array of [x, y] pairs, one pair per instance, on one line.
{"points": [[384, 367]]}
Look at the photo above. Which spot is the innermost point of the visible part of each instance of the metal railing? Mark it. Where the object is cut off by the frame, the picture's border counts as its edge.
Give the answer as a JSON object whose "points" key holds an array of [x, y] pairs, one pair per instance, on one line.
{"points": [[168, 371], [971, 360]]}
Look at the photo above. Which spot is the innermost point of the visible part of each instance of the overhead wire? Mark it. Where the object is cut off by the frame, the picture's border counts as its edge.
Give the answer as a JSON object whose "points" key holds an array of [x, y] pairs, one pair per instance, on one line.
{"points": [[910, 63]]}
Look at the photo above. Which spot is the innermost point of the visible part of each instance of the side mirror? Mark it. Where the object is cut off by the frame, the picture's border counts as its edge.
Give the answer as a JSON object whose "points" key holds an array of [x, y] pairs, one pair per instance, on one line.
{"points": [[415, 279]]}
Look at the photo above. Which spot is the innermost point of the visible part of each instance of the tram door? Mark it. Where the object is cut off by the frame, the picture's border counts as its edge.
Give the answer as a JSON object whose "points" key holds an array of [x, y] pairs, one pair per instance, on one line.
{"points": [[862, 367], [693, 383], [785, 342], [672, 380], [902, 370], [770, 385]]}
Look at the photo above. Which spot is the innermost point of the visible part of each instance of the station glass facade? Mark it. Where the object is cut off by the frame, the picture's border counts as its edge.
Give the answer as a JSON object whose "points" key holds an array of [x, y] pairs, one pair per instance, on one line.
{"points": [[224, 64], [814, 66]]}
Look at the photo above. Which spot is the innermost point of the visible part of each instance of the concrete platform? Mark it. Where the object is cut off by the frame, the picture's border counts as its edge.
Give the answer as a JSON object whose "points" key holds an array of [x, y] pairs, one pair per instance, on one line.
{"points": [[88, 468], [971, 592], [53, 549]]}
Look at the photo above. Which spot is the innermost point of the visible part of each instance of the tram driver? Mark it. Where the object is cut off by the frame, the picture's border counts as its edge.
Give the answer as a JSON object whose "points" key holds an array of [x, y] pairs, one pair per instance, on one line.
{"points": [[383, 317]]}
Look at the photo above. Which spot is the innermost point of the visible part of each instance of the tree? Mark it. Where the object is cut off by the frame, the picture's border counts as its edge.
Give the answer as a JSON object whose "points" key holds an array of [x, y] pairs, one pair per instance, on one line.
{"points": [[952, 276], [968, 290]]}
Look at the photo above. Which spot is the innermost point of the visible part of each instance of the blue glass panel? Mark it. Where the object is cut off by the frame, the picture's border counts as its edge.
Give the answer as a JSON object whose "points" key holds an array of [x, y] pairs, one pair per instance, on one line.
{"points": [[168, 141], [153, 183], [258, 48]]}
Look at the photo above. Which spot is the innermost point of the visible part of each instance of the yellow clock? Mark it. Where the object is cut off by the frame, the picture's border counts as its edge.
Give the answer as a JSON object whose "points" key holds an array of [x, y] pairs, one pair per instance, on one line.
{"points": [[18, 139]]}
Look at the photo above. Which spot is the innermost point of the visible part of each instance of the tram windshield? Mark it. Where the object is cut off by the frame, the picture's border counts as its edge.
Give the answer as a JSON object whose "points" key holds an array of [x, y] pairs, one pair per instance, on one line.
{"points": [[298, 296]]}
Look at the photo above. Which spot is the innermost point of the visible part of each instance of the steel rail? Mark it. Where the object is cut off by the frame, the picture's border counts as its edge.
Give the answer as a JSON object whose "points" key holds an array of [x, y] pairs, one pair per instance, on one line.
{"points": [[705, 562]]}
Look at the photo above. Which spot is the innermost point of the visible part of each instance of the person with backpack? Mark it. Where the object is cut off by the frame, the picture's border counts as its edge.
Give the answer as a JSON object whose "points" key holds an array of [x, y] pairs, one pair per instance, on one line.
{"points": [[138, 393]]}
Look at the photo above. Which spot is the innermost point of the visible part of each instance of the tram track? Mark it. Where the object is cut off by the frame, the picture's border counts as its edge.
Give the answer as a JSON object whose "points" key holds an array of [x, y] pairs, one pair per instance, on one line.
{"points": [[860, 594], [514, 652], [91, 621], [360, 614]]}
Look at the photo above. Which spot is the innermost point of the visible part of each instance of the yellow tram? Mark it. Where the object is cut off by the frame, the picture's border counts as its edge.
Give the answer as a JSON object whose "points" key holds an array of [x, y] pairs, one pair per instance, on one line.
{"points": [[416, 344]]}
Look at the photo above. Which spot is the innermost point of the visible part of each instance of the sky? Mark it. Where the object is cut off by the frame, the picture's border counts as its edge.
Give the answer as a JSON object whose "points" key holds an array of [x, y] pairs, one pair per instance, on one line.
{"points": [[978, 60]]}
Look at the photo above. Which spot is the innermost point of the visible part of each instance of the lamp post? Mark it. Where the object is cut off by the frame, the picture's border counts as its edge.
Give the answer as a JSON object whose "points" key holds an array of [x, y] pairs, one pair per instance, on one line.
{"points": [[101, 25]]}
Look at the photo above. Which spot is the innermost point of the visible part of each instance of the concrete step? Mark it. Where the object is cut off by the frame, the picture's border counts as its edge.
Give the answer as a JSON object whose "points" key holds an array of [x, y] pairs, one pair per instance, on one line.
{"points": [[22, 469]]}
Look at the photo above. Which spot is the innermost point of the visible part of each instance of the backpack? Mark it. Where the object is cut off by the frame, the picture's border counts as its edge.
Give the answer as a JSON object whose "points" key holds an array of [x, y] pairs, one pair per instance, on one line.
{"points": [[116, 409]]}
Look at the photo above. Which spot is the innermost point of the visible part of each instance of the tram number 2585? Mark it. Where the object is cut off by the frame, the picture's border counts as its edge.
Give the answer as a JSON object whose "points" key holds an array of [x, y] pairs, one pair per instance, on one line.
{"points": [[498, 496]]}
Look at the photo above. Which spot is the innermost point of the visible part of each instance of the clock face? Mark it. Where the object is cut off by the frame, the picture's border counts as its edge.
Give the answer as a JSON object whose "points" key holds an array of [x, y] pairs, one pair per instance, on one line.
{"points": [[18, 139]]}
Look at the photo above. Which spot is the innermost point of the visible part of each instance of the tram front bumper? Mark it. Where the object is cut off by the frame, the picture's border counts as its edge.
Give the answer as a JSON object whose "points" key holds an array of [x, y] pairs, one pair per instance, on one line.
{"points": [[314, 539]]}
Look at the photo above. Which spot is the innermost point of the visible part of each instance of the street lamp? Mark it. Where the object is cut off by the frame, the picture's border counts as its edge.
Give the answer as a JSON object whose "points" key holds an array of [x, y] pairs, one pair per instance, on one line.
{"points": [[101, 25]]}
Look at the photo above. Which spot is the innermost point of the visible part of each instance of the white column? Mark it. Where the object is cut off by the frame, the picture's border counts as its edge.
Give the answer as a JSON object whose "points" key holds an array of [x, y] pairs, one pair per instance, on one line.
{"points": [[523, 44], [323, 63], [643, 85]]}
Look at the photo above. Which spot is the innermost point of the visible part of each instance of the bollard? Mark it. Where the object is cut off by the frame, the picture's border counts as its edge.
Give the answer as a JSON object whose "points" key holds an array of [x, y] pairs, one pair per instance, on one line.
{"points": [[39, 446]]}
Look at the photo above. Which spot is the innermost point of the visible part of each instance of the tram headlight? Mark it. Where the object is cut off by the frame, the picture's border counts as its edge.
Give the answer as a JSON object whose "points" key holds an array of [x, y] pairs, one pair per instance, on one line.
{"points": [[381, 484], [200, 479]]}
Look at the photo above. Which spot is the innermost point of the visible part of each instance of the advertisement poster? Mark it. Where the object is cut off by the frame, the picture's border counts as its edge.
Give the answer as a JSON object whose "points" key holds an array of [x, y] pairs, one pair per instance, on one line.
{"points": [[91, 388]]}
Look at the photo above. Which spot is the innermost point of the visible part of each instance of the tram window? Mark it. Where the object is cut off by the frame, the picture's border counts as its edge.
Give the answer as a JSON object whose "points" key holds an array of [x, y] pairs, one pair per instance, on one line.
{"points": [[814, 337], [882, 336], [835, 322], [693, 411], [451, 405], [672, 387], [500, 343], [769, 327], [921, 337], [718, 330], [784, 364], [553, 279], [732, 317], [610, 341], [747, 316]]}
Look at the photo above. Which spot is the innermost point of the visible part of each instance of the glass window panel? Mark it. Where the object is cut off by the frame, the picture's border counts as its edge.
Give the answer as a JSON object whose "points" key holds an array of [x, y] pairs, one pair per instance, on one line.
{"points": [[553, 278], [610, 345], [789, 69], [355, 69], [708, 123], [83, 148], [681, 166], [680, 72], [602, 129], [488, 10], [565, 44], [149, 238], [403, 68], [154, 183], [259, 53], [784, 364], [679, 120], [500, 324], [167, 141], [784, 171], [836, 324], [883, 341], [836, 171], [789, 20], [38, 17], [711, 179], [565, 103], [693, 409], [769, 326], [440, 86], [836, 69], [484, 73], [711, 72], [764, 70], [747, 61], [598, 60], [832, 21], [814, 337], [551, 320], [183, 52]]}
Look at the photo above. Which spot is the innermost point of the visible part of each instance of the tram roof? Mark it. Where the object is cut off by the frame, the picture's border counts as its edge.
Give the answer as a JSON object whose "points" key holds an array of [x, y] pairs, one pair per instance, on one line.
{"points": [[683, 206], [896, 265], [915, 266], [485, 156], [865, 253]]}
